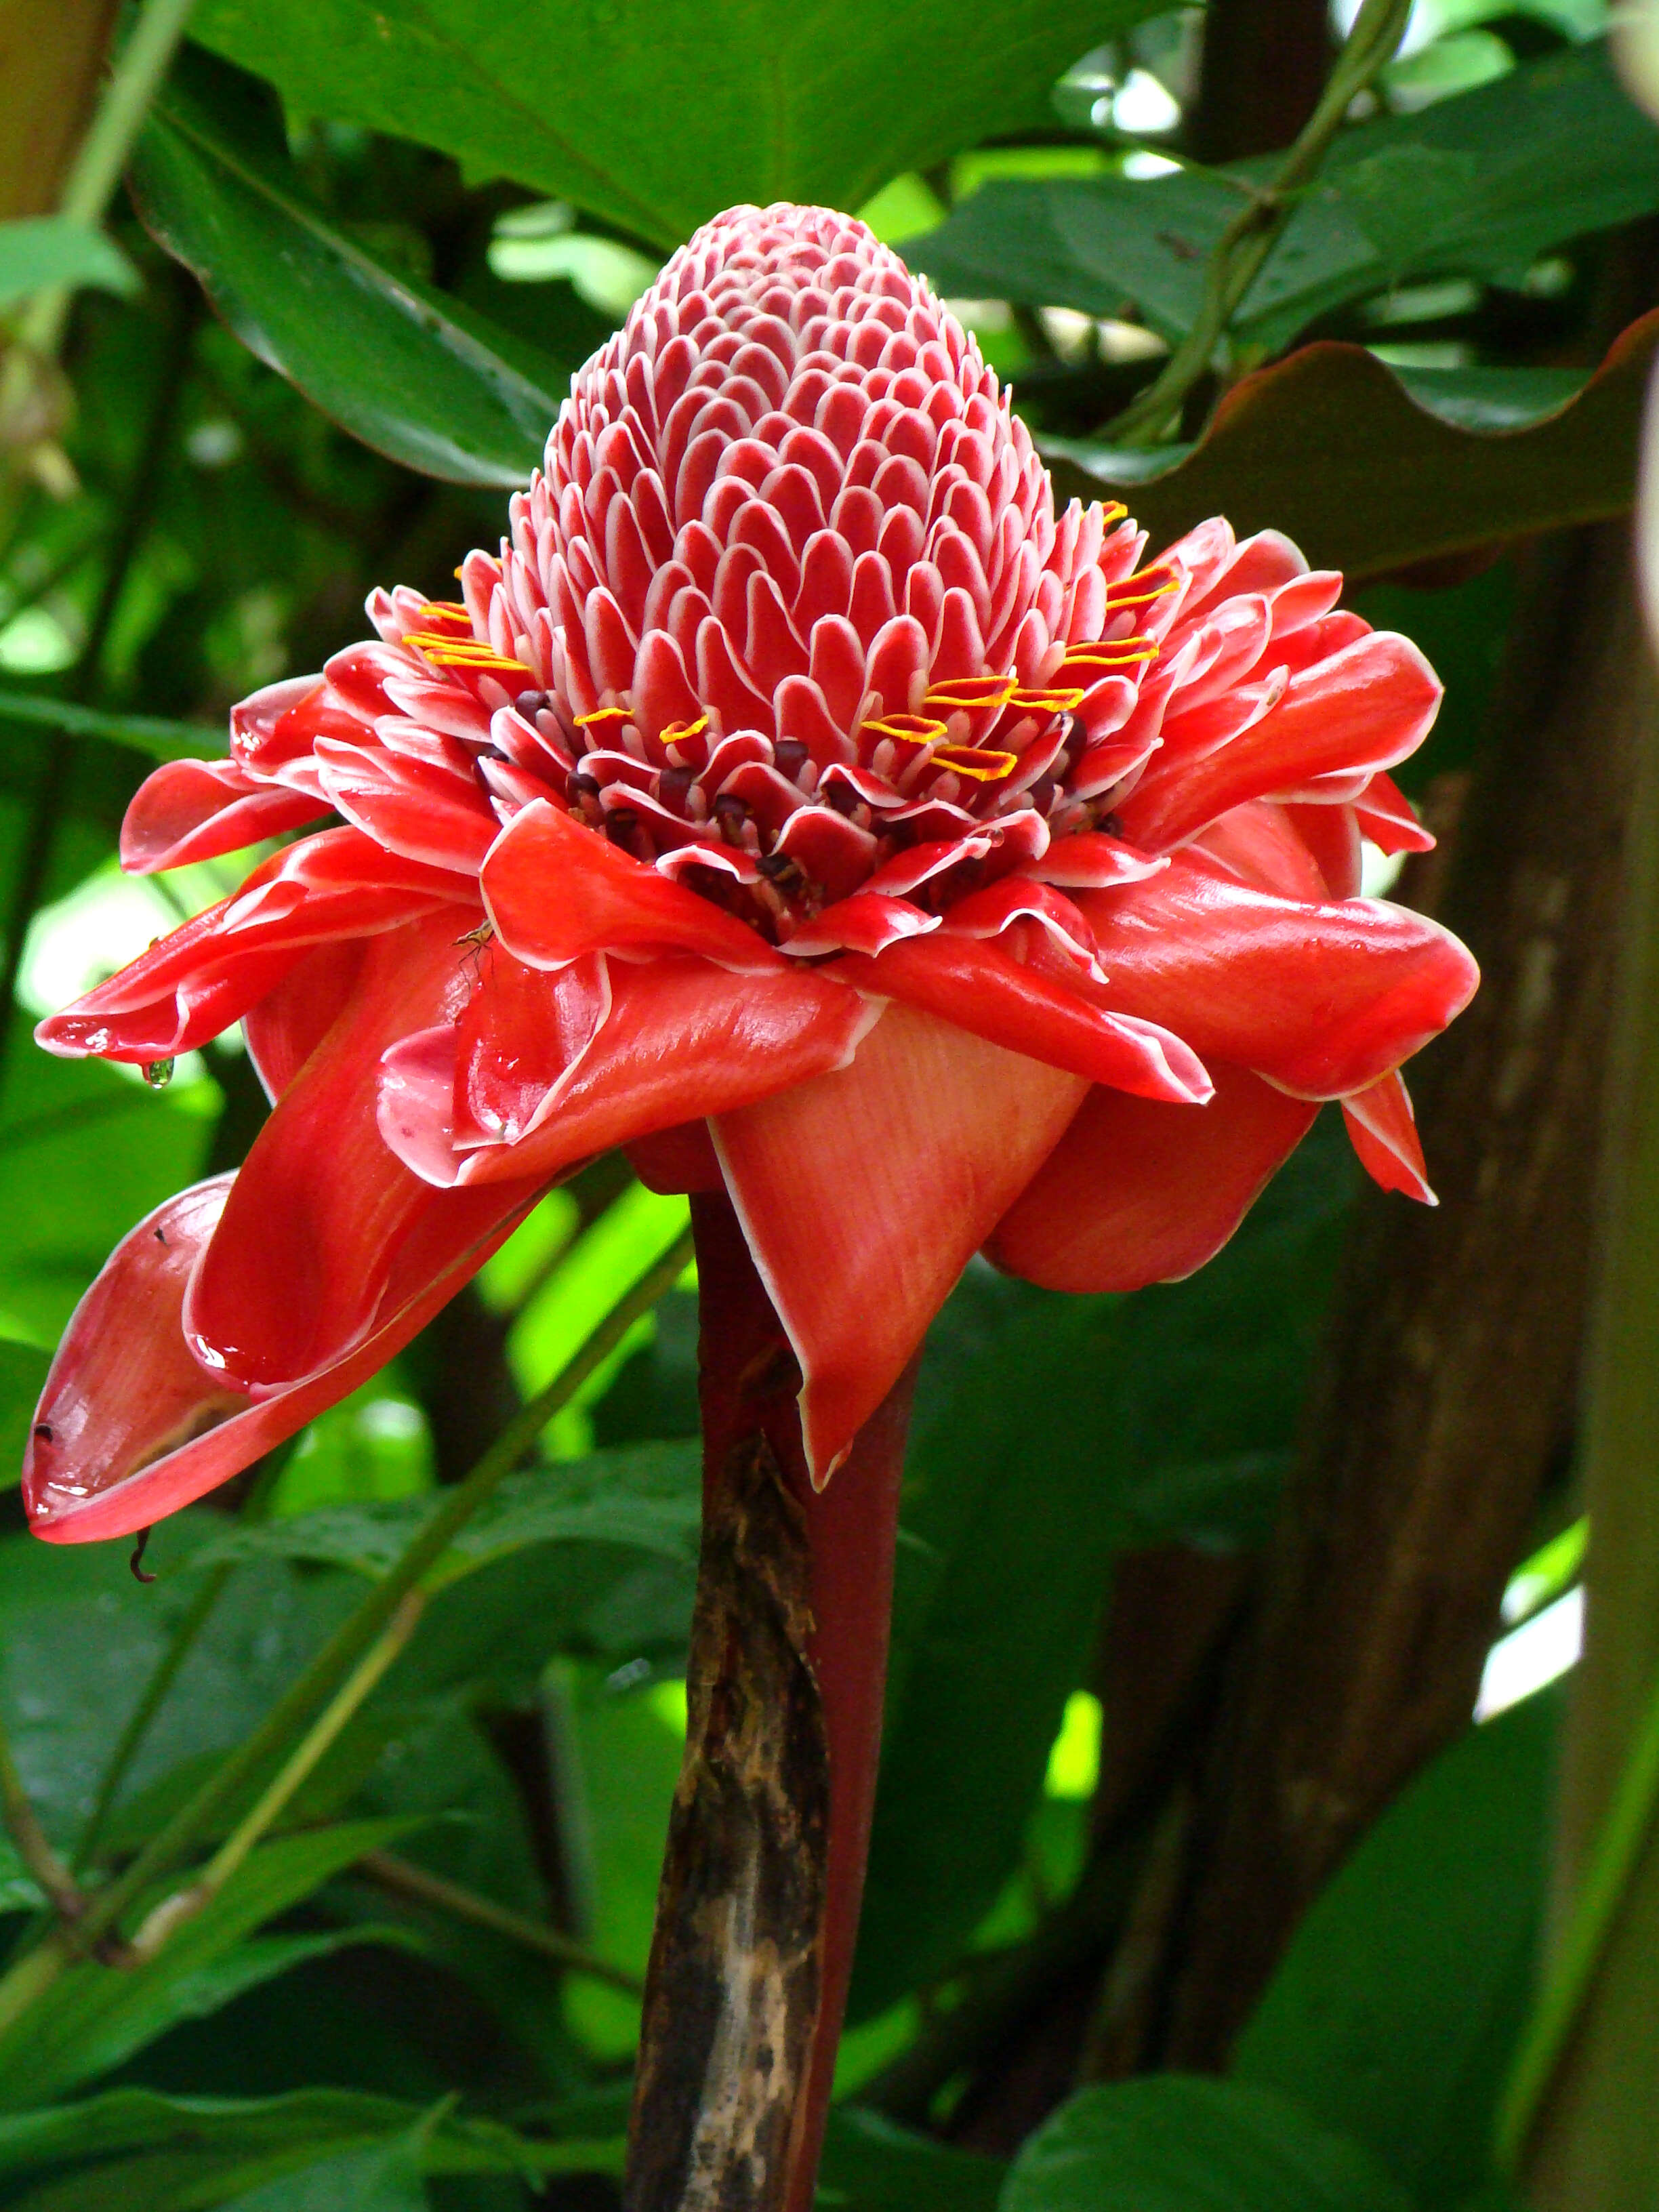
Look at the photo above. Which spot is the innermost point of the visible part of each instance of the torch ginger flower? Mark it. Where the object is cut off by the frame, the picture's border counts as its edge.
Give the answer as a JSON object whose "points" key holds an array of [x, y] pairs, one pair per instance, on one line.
{"points": [[799, 801]]}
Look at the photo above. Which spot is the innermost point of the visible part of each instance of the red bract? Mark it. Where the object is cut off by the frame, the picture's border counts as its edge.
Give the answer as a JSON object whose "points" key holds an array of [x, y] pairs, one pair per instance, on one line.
{"points": [[800, 802]]}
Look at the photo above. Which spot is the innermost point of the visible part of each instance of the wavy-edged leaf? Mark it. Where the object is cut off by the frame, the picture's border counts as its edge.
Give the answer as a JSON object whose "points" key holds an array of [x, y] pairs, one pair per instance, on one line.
{"points": [[1334, 448], [659, 119], [409, 371], [42, 250], [1177, 2142]]}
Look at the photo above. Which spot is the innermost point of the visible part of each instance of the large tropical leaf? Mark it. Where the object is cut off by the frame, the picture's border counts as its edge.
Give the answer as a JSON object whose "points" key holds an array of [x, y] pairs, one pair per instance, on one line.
{"points": [[659, 115], [411, 371]]}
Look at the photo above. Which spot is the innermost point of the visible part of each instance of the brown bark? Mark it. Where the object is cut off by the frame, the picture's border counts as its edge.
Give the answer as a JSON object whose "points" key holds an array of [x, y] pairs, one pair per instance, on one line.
{"points": [[1594, 2144], [51, 52], [758, 1910], [1448, 1381], [1264, 66]]}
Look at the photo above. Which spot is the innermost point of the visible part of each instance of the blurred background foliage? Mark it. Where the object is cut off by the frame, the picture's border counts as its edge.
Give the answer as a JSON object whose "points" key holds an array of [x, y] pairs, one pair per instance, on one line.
{"points": [[1199, 1876]]}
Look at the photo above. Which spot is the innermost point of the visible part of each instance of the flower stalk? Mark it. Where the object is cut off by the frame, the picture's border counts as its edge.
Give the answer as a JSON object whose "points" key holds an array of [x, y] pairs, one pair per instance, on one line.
{"points": [[1245, 245], [758, 1910]]}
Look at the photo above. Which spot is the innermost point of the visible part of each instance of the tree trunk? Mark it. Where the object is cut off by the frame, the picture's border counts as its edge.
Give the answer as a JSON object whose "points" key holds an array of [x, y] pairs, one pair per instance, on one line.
{"points": [[1449, 1378]]}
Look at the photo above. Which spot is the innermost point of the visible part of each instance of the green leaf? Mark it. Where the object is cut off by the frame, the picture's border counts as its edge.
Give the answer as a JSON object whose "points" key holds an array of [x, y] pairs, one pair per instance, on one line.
{"points": [[78, 1641], [1478, 185], [1393, 2013], [406, 369], [643, 1495], [157, 739], [92, 2018], [199, 2151], [381, 2178], [1175, 2142], [871, 2165], [716, 102], [1332, 448], [1050, 1433], [51, 250], [22, 1377]]}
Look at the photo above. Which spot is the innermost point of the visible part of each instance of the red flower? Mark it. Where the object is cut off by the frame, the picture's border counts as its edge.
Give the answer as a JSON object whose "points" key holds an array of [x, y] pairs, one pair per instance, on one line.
{"points": [[801, 803]]}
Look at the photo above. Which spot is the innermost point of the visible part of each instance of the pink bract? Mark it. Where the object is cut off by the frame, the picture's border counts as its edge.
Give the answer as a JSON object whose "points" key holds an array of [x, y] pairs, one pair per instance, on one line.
{"points": [[799, 801]]}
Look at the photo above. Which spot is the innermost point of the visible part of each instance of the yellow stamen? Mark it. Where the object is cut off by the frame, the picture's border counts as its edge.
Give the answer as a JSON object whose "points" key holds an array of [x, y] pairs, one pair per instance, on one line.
{"points": [[979, 767], [676, 733], [444, 652], [604, 721], [970, 693], [1091, 660], [1113, 511], [445, 611], [908, 729], [1141, 589], [1046, 702]]}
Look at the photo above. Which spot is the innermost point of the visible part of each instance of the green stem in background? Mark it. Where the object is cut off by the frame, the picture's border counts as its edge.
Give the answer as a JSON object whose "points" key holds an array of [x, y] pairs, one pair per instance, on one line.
{"points": [[35, 1847], [154, 1696], [133, 83], [331, 1665], [1251, 236], [155, 738], [404, 1879], [296, 1770], [1612, 1860], [53, 792], [156, 1692]]}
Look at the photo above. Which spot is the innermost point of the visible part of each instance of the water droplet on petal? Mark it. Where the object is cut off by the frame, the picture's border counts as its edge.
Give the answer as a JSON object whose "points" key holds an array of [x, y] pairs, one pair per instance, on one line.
{"points": [[158, 1074]]}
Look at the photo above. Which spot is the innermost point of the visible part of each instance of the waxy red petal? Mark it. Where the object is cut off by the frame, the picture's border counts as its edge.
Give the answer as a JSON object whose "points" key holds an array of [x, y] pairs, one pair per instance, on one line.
{"points": [[195, 810], [1382, 1130], [555, 891], [1138, 1192], [862, 924], [129, 1429], [973, 983], [680, 1040], [1388, 820], [863, 1193], [296, 1271], [1366, 707], [200, 978], [1323, 999]]}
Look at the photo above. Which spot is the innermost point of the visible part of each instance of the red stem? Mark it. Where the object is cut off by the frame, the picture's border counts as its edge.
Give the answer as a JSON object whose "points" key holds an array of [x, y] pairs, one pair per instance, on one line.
{"points": [[749, 1379]]}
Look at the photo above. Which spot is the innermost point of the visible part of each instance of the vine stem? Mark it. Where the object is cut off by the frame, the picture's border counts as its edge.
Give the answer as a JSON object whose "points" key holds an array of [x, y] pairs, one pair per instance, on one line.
{"points": [[404, 1879], [133, 83], [296, 1770], [1251, 236], [764, 1869], [35, 1847], [36, 1969]]}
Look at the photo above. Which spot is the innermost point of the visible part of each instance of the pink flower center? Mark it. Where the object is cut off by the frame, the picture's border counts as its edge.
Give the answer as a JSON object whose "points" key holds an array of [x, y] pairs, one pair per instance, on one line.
{"points": [[790, 613]]}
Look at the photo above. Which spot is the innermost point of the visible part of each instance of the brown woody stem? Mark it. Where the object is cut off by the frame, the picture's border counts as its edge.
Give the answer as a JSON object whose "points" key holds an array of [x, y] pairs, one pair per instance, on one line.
{"points": [[759, 1904]]}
